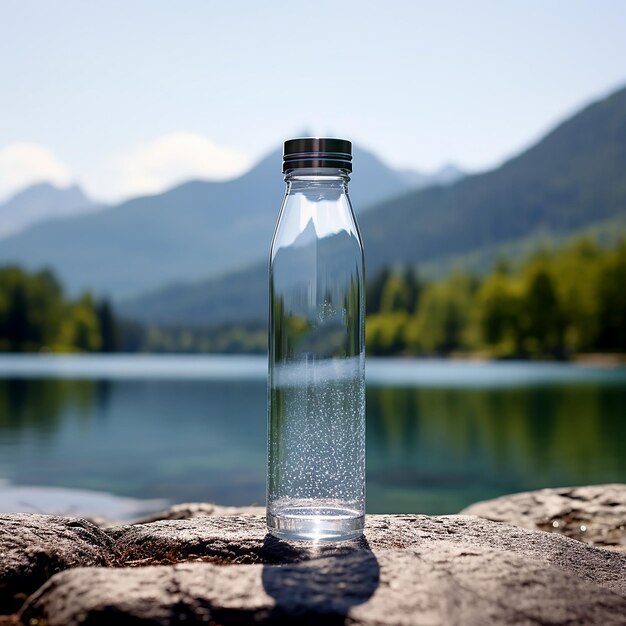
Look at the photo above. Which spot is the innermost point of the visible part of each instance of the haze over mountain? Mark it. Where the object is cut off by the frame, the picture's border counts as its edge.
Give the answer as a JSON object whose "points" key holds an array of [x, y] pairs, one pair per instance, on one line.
{"points": [[445, 175], [41, 202], [194, 230], [573, 180]]}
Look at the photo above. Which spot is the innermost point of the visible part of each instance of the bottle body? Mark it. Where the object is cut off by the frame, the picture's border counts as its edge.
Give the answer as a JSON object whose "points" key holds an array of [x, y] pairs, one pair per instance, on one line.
{"points": [[316, 442]]}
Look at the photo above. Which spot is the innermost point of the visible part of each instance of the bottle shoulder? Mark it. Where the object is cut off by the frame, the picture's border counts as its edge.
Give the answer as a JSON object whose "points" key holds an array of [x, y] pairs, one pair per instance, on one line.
{"points": [[306, 218]]}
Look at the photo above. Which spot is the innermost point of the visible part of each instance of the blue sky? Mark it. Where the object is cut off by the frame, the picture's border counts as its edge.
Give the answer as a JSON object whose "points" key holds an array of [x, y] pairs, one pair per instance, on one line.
{"points": [[131, 97]]}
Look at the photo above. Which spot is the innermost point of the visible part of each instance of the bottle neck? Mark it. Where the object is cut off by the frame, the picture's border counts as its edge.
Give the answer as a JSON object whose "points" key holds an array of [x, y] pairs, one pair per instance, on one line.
{"points": [[324, 177]]}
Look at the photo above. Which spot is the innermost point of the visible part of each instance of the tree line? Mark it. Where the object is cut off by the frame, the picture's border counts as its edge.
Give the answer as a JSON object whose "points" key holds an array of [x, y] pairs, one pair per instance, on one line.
{"points": [[555, 304], [36, 315]]}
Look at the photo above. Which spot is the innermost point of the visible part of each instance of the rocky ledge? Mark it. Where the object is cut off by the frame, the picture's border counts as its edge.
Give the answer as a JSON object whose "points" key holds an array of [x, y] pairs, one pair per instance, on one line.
{"points": [[197, 567], [594, 514]]}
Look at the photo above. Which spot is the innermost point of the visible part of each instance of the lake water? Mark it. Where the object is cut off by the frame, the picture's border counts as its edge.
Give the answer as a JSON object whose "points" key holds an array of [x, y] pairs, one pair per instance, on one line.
{"points": [[134, 433]]}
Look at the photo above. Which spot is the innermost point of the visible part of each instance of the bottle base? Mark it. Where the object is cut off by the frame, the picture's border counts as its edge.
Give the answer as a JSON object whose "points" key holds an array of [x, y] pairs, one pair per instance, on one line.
{"points": [[302, 523]]}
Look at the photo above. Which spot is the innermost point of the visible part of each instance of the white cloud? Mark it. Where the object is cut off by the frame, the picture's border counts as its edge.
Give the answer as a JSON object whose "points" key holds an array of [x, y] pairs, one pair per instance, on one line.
{"points": [[157, 165], [23, 164]]}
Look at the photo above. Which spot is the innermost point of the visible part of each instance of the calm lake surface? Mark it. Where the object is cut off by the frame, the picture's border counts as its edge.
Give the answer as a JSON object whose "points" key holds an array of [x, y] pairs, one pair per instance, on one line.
{"points": [[440, 434]]}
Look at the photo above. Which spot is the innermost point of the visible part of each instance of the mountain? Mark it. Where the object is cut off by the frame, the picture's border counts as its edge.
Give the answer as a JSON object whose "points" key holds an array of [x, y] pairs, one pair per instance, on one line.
{"points": [[573, 177], [194, 230], [41, 202], [572, 181]]}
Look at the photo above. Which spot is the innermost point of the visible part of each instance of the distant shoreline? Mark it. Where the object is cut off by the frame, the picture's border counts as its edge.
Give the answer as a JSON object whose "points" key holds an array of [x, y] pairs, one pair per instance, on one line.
{"points": [[601, 359], [591, 359], [452, 371]]}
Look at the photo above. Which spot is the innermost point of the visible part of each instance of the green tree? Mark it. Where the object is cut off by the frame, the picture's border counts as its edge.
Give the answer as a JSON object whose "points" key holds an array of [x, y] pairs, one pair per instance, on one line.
{"points": [[414, 288], [80, 329], [374, 291], [384, 333], [34, 315], [496, 313], [542, 321], [109, 330], [611, 294], [16, 326], [396, 295], [30, 309], [575, 270], [441, 323]]}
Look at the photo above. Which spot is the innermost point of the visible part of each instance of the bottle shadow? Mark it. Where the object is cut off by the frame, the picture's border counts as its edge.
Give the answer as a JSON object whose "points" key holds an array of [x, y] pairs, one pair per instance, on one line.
{"points": [[318, 582]]}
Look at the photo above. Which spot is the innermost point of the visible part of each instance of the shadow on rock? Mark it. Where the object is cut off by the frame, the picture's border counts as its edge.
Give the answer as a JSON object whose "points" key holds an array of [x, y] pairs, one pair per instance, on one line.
{"points": [[318, 582]]}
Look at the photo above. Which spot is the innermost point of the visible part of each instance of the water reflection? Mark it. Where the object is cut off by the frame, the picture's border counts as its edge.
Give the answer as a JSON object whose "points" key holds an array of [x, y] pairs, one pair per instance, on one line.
{"points": [[43, 404], [430, 450], [175, 439], [485, 442]]}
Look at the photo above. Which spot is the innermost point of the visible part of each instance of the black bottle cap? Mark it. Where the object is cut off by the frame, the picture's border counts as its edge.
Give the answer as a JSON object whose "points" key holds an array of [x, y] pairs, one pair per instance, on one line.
{"points": [[317, 152]]}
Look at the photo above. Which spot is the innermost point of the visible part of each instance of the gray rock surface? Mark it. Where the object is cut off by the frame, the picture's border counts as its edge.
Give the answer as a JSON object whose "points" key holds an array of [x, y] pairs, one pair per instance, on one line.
{"points": [[595, 514], [35, 547], [189, 510], [411, 569]]}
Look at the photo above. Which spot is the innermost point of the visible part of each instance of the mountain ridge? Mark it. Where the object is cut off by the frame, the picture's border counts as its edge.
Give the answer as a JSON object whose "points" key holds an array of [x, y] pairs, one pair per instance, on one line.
{"points": [[41, 202], [572, 178], [193, 230], [586, 158]]}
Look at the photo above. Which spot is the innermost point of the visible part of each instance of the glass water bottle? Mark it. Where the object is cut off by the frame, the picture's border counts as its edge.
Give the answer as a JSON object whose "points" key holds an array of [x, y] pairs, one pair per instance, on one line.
{"points": [[316, 443]]}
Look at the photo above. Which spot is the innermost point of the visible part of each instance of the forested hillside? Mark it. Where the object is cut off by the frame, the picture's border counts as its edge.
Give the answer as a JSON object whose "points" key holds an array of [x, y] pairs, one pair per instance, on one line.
{"points": [[572, 182], [573, 177]]}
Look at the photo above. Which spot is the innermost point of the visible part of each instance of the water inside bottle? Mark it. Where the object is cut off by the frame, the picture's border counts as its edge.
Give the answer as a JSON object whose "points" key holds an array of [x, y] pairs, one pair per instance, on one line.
{"points": [[316, 487]]}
